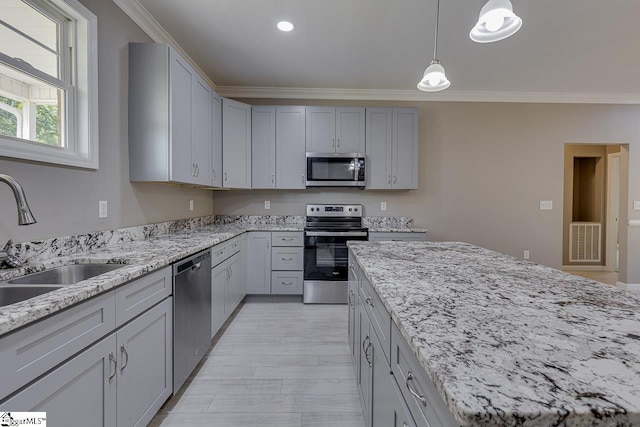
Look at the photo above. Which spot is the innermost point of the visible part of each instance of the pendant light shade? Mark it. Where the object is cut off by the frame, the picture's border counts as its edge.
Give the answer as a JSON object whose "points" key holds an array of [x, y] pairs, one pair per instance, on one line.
{"points": [[496, 22], [434, 78]]}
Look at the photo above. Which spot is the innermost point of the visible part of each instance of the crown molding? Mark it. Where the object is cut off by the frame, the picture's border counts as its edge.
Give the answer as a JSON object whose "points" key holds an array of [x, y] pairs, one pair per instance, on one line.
{"points": [[141, 16], [416, 95]]}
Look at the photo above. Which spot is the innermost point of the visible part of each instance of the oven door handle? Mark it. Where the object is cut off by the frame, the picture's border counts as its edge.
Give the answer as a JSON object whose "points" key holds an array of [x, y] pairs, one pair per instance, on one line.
{"points": [[336, 233]]}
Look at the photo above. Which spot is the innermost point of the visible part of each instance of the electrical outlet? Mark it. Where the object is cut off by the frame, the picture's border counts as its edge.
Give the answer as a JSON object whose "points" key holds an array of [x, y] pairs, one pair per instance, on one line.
{"points": [[526, 254], [102, 209], [383, 206], [267, 204], [636, 205], [190, 205]]}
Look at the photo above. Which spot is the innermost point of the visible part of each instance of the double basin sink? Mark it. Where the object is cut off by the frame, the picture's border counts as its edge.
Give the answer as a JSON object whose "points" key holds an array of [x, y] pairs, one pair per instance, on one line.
{"points": [[32, 285]]}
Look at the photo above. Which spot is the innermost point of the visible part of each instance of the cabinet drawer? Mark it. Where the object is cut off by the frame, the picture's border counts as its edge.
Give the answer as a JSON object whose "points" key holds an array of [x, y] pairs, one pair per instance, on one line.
{"points": [[380, 318], [32, 351], [429, 409], [397, 236], [138, 296], [286, 258], [286, 282], [233, 246], [219, 253], [287, 238]]}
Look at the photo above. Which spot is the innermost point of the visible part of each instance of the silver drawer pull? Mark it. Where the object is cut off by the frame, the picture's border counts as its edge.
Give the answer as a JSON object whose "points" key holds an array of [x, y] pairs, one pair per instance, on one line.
{"points": [[416, 395], [287, 283], [286, 259], [368, 301], [115, 366], [287, 239]]}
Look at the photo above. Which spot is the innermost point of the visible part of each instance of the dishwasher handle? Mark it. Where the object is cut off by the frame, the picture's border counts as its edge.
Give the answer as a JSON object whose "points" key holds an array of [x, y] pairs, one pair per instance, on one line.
{"points": [[192, 263]]}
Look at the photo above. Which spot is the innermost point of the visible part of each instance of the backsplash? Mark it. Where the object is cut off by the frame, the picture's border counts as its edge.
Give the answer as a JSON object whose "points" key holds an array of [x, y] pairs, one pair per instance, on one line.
{"points": [[34, 251]]}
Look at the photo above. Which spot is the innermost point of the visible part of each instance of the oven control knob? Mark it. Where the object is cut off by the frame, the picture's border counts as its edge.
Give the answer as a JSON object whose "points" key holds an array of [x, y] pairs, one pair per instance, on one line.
{"points": [[356, 209], [350, 210], [312, 209]]}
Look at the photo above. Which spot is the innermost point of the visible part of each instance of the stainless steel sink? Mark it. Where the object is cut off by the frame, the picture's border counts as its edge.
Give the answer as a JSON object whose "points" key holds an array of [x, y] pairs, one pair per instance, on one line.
{"points": [[65, 275], [12, 294]]}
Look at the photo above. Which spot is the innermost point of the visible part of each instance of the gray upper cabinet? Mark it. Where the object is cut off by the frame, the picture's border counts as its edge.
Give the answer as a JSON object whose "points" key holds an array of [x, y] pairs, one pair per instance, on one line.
{"points": [[392, 148], [236, 144], [169, 117], [263, 147], [335, 129], [290, 147], [216, 140]]}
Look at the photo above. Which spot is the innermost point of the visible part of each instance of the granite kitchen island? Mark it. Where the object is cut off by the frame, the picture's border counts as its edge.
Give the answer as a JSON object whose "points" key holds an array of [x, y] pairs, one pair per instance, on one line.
{"points": [[509, 342]]}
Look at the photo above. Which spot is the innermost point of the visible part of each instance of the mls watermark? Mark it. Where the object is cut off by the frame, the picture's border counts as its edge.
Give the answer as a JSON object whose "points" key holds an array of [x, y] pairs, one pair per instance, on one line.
{"points": [[9, 419]]}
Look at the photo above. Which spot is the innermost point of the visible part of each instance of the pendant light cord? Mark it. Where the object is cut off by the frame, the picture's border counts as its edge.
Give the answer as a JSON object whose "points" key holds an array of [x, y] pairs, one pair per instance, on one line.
{"points": [[435, 45]]}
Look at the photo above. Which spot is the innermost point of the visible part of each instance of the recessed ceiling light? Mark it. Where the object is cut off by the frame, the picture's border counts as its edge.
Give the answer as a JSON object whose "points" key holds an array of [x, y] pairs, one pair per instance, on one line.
{"points": [[286, 26]]}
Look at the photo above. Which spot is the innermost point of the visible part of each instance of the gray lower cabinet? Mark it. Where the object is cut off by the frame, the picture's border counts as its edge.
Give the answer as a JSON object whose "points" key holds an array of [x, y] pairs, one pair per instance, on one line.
{"points": [[287, 254], [402, 236], [232, 285], [259, 262], [219, 275], [227, 276], [394, 388], [123, 379]]}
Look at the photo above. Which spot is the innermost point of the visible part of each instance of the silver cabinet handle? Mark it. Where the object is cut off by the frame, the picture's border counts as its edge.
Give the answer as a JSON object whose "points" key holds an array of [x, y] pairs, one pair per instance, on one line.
{"points": [[213, 174], [197, 169], [351, 298], [286, 259], [273, 178], [368, 301], [395, 179], [193, 170], [287, 283], [366, 354], [333, 142], [303, 182], [389, 179], [230, 272], [113, 360], [416, 395], [287, 239], [364, 341], [126, 357], [338, 142], [226, 177]]}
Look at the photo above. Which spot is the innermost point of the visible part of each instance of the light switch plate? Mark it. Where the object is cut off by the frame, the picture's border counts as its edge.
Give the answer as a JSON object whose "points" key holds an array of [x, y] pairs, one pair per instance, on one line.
{"points": [[526, 254], [102, 209], [383, 206], [267, 204], [636, 205], [546, 205], [190, 205]]}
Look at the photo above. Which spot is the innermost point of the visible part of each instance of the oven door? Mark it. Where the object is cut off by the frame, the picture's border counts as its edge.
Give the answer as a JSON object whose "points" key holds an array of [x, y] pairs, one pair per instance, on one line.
{"points": [[325, 254]]}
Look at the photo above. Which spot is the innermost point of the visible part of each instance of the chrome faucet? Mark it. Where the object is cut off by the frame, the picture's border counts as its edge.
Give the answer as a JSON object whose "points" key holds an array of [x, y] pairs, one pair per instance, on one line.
{"points": [[25, 217]]}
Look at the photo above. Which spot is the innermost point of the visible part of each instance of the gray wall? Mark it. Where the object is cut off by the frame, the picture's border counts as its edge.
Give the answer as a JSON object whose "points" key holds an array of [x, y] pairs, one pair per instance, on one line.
{"points": [[484, 167], [65, 200]]}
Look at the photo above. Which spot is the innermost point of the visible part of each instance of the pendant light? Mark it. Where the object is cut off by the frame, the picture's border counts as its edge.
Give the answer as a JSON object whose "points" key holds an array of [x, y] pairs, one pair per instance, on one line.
{"points": [[496, 22], [434, 78]]}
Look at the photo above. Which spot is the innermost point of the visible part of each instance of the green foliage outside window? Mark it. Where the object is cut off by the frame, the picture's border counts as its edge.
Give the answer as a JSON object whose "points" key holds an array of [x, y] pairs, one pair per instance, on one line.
{"points": [[46, 121], [9, 122]]}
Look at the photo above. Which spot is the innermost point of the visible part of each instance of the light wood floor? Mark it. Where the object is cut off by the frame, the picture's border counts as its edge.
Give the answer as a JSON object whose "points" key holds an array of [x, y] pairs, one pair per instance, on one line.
{"points": [[277, 364]]}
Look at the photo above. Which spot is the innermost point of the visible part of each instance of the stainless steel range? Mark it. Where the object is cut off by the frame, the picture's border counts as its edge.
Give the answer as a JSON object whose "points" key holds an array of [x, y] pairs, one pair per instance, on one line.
{"points": [[326, 259]]}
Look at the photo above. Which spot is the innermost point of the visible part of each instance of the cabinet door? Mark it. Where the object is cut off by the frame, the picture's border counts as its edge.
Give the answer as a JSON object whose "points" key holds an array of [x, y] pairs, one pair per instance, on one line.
{"points": [[291, 162], [216, 140], [365, 364], [181, 166], [350, 130], [201, 131], [218, 281], [232, 285], [145, 365], [351, 334], [405, 149], [321, 129], [263, 147], [236, 144], [80, 389], [382, 404], [379, 144], [259, 263]]}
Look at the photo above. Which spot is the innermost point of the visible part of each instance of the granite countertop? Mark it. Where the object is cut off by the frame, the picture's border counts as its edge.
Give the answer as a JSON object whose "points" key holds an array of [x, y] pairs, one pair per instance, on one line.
{"points": [[138, 256], [508, 342]]}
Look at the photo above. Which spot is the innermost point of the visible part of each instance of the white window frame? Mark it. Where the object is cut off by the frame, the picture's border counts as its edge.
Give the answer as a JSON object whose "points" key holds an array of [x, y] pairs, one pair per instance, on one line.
{"points": [[80, 131]]}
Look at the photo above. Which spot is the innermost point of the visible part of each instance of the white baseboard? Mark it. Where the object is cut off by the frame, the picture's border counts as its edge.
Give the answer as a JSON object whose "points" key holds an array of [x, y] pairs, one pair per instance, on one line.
{"points": [[629, 287], [583, 268]]}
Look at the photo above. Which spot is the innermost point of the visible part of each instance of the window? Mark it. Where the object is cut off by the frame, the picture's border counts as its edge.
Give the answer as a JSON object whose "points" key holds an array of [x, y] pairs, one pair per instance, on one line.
{"points": [[48, 82]]}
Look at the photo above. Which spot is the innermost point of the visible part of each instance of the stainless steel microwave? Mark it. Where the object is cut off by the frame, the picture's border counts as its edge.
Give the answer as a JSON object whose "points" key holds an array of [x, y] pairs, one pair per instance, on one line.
{"points": [[335, 170]]}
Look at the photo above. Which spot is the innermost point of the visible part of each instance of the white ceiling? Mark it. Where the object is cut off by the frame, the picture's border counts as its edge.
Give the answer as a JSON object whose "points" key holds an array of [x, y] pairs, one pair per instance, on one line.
{"points": [[566, 49]]}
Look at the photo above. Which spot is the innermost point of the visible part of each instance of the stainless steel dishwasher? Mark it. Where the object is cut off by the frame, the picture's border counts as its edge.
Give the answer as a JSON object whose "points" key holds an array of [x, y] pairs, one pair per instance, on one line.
{"points": [[191, 314]]}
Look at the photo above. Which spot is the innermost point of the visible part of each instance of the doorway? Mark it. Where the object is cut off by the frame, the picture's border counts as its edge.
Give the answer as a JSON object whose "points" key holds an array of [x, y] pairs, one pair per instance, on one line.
{"points": [[613, 210]]}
